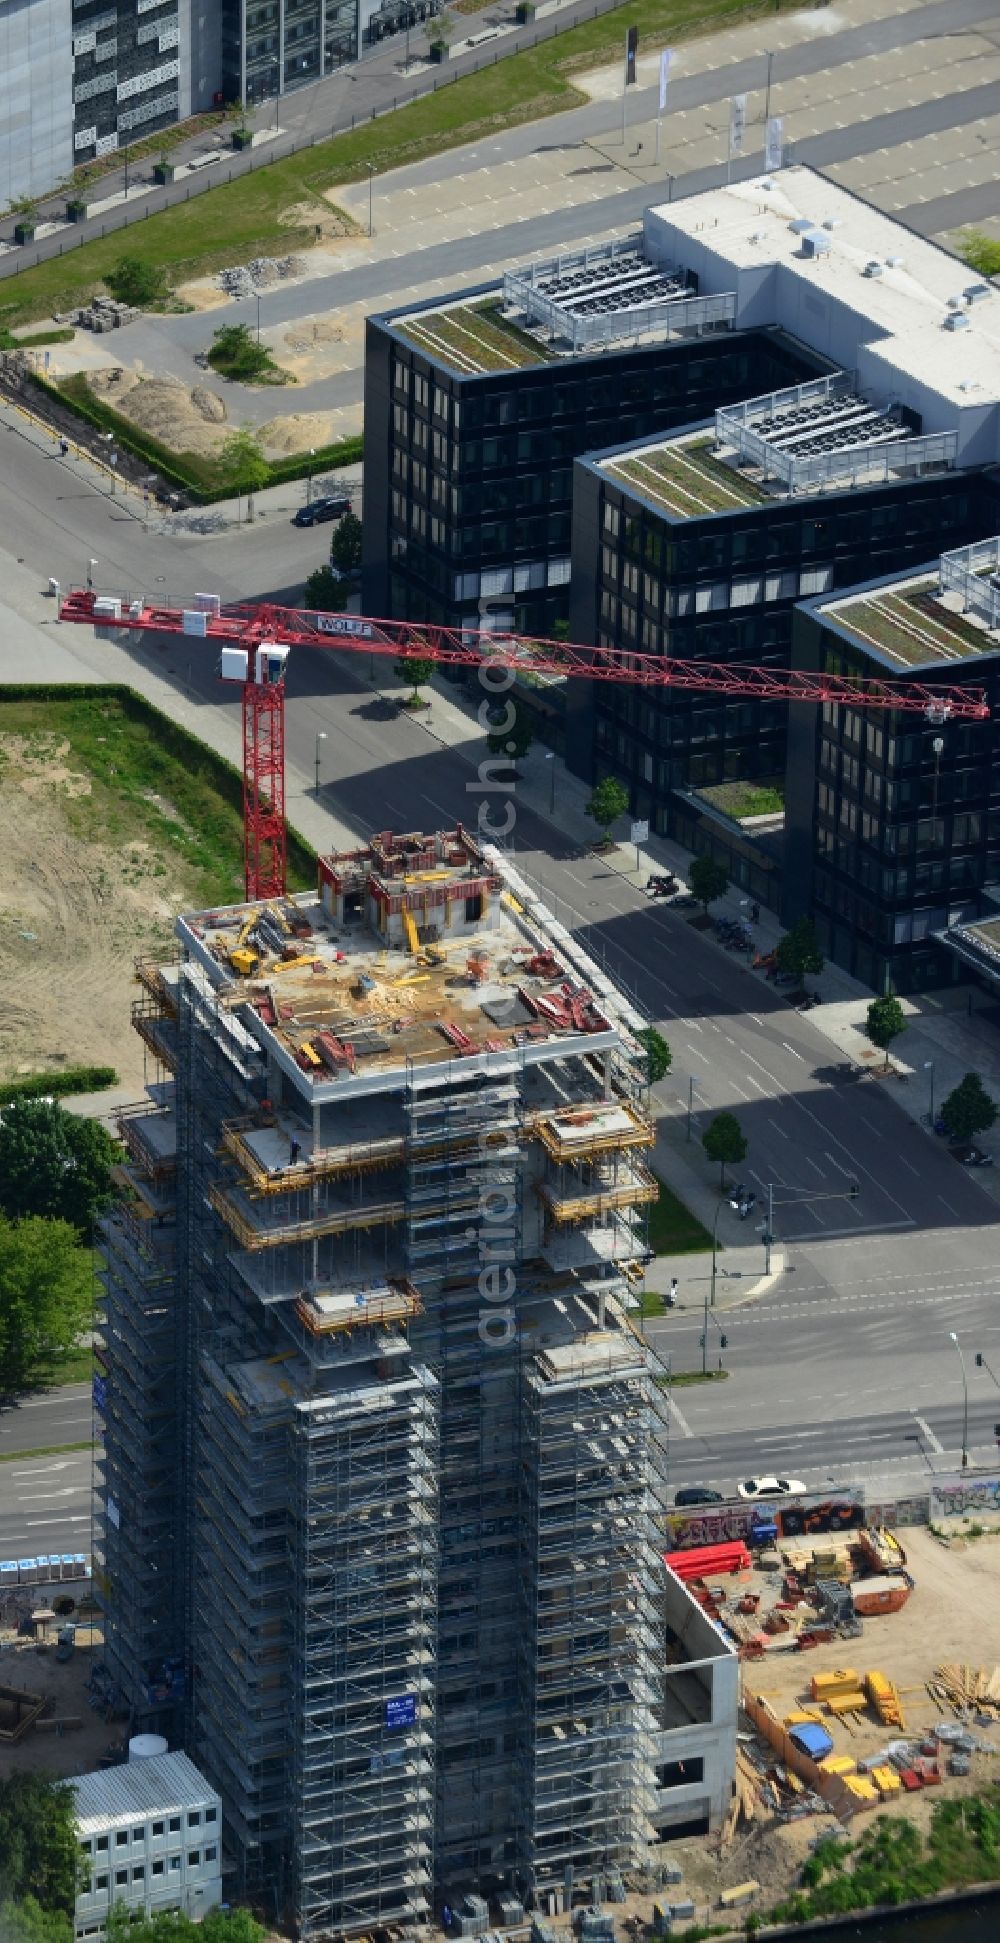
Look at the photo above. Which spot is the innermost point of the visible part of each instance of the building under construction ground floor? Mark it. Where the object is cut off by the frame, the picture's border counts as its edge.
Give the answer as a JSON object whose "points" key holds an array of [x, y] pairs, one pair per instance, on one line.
{"points": [[379, 1503]]}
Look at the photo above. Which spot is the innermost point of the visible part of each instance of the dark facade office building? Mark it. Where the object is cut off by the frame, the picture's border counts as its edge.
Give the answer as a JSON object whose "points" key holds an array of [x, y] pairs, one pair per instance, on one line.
{"points": [[680, 550], [893, 821], [475, 410], [699, 546]]}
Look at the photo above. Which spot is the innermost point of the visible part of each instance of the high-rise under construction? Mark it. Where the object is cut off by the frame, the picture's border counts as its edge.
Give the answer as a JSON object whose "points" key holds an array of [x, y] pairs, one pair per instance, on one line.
{"points": [[379, 1496]]}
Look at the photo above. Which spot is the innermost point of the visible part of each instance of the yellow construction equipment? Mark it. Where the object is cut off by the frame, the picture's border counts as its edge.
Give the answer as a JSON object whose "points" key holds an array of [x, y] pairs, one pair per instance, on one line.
{"points": [[291, 964], [241, 958], [411, 931], [884, 1697]]}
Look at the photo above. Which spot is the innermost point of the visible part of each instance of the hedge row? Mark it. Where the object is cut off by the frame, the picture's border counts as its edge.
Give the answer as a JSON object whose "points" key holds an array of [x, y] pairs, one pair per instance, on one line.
{"points": [[72, 1079], [176, 740], [189, 470]]}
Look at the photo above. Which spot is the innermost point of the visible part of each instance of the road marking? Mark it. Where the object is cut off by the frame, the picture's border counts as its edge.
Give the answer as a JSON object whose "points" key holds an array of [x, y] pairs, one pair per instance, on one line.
{"points": [[947, 1204], [905, 1163], [82, 1519], [682, 1423], [925, 1430], [777, 1129], [795, 1055]]}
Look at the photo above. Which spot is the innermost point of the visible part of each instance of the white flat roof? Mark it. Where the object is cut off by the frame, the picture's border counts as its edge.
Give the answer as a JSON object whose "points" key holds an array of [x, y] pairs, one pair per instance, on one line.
{"points": [[161, 1785], [737, 236]]}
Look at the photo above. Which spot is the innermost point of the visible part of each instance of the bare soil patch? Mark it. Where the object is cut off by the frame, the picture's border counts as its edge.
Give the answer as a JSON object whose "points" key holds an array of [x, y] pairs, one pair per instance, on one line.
{"points": [[296, 432], [64, 1684], [187, 418], [73, 917]]}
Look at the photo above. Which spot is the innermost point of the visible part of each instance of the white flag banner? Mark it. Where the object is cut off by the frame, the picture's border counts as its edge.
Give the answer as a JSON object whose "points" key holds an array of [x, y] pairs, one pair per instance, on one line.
{"points": [[737, 123], [666, 58], [775, 142]]}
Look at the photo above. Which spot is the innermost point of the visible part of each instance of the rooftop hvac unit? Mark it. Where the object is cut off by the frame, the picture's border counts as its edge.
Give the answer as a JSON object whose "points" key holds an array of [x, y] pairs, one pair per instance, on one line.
{"points": [[873, 268], [895, 262], [833, 222], [975, 292], [815, 242], [801, 224], [956, 321]]}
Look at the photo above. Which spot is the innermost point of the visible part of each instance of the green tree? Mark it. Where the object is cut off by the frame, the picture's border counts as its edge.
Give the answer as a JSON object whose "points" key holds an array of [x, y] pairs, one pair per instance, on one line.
{"points": [[237, 354], [725, 1141], [516, 740], [325, 594], [969, 1109], [658, 1054], [242, 465], [884, 1023], [46, 1298], [798, 951], [54, 1163], [345, 544], [707, 880], [981, 253], [27, 1922], [609, 801], [134, 281], [39, 1853], [417, 672], [219, 1926]]}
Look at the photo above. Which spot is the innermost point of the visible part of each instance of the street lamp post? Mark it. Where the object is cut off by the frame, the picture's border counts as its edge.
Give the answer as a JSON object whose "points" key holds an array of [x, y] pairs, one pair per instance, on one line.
{"points": [[692, 1083], [929, 1068], [91, 564], [767, 92], [371, 178], [258, 316], [550, 757], [320, 737], [309, 476], [965, 1401]]}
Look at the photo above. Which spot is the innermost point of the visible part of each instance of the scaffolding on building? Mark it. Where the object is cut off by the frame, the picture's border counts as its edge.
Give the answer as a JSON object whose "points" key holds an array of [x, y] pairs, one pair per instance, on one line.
{"points": [[592, 1654]]}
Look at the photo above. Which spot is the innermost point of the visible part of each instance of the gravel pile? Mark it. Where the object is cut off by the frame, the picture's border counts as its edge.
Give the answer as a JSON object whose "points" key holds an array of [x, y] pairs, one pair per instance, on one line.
{"points": [[246, 279]]}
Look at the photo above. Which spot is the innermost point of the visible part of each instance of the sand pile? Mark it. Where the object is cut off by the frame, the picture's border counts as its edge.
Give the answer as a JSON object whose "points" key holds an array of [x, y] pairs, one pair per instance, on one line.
{"points": [[187, 419]]}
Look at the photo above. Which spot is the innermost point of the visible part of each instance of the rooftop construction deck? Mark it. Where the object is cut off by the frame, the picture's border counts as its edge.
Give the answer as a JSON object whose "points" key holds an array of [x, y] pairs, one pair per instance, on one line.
{"points": [[416, 951]]}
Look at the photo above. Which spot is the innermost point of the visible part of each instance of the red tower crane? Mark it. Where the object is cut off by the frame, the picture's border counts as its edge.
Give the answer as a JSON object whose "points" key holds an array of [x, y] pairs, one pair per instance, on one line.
{"points": [[254, 640]]}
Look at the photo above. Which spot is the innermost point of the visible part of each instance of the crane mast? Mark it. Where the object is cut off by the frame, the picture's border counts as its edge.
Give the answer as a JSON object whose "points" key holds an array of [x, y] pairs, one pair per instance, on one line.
{"points": [[254, 640]]}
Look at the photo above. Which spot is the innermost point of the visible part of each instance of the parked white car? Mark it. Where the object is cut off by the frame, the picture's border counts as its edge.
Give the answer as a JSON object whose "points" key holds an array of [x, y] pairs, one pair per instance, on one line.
{"points": [[771, 1487]]}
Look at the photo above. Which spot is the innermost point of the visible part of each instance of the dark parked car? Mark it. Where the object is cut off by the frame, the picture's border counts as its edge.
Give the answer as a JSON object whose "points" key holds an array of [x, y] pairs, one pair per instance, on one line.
{"points": [[321, 509], [661, 886], [697, 1494]]}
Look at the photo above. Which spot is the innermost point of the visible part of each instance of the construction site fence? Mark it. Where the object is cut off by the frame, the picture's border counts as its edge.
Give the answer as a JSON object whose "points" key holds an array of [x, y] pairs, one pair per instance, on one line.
{"points": [[946, 1495], [828, 1786]]}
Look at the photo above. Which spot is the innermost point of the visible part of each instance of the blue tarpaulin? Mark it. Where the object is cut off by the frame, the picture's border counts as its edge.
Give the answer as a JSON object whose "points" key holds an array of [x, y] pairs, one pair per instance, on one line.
{"points": [[812, 1739]]}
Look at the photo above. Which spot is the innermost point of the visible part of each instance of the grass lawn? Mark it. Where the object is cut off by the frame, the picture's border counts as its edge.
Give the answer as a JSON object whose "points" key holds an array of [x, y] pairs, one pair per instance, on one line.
{"points": [[673, 1229], [47, 1450], [149, 783], [745, 799], [248, 217]]}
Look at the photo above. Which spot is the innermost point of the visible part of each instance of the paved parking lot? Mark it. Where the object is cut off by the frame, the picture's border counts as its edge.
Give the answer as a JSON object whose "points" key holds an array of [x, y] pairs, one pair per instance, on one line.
{"points": [[897, 102]]}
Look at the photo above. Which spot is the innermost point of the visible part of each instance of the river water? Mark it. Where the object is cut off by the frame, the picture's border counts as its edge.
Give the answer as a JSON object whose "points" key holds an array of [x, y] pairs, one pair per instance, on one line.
{"points": [[967, 1923]]}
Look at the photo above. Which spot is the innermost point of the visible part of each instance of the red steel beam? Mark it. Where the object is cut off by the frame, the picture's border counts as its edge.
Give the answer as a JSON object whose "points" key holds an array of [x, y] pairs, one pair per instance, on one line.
{"points": [[243, 625]]}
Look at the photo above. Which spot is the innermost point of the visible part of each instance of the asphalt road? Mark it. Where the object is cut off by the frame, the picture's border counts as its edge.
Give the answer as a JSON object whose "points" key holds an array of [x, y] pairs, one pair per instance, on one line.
{"points": [[37, 1423], [45, 1505], [169, 343]]}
